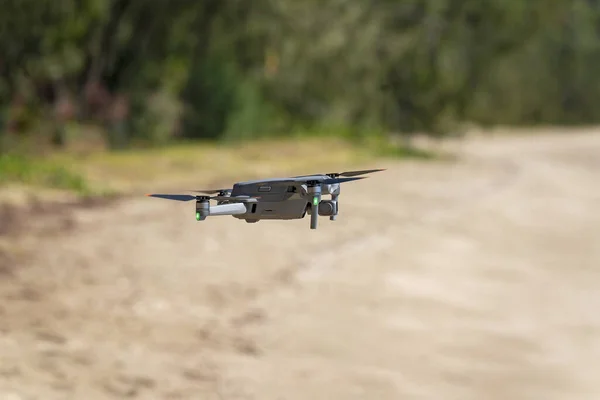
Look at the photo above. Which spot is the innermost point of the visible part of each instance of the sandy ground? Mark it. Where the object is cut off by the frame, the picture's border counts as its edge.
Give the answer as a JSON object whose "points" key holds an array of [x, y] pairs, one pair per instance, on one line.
{"points": [[477, 279]]}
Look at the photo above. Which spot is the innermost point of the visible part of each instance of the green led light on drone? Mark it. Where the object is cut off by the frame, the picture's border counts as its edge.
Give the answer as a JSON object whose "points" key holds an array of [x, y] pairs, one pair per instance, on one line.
{"points": [[316, 200], [197, 216]]}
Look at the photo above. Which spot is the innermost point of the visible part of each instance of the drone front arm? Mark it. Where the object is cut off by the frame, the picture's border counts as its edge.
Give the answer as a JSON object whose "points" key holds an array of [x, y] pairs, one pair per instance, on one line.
{"points": [[227, 209]]}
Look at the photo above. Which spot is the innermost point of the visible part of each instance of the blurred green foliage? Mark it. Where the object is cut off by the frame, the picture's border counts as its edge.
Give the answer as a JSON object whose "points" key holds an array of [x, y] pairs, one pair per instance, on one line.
{"points": [[152, 72], [25, 170]]}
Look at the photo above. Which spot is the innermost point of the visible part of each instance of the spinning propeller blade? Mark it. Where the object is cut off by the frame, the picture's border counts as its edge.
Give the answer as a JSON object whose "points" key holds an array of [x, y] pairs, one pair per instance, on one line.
{"points": [[355, 173], [189, 197], [211, 191], [345, 173], [340, 180], [177, 197]]}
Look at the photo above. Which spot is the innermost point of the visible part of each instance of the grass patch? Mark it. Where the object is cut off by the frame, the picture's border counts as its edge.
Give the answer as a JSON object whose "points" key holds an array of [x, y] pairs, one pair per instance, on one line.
{"points": [[196, 164], [41, 173], [395, 148], [211, 163]]}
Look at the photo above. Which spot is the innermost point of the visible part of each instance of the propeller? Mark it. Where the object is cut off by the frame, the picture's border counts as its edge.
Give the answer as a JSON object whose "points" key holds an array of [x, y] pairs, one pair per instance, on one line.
{"points": [[221, 192], [354, 173], [318, 180], [177, 197], [189, 197], [333, 181]]}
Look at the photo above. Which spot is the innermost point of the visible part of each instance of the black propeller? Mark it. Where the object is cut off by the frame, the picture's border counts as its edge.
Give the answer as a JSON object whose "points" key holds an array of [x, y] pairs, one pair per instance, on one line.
{"points": [[221, 192], [312, 180], [189, 197], [177, 197], [353, 173], [339, 180]]}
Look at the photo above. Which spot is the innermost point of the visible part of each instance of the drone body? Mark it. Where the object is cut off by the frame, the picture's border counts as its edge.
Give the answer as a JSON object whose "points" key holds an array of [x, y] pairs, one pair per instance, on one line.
{"points": [[272, 199]]}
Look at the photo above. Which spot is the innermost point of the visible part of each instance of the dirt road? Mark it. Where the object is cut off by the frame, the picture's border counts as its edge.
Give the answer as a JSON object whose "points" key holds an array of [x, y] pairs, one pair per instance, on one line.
{"points": [[477, 279]]}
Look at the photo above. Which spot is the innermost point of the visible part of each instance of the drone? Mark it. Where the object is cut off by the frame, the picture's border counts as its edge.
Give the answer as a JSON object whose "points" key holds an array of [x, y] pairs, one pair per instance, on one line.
{"points": [[273, 199]]}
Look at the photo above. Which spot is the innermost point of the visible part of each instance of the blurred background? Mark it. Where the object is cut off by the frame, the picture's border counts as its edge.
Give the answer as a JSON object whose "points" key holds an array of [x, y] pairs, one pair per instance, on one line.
{"points": [[141, 74], [463, 271]]}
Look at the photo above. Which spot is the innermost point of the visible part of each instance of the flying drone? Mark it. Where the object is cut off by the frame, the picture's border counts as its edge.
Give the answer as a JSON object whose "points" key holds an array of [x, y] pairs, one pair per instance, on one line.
{"points": [[274, 199]]}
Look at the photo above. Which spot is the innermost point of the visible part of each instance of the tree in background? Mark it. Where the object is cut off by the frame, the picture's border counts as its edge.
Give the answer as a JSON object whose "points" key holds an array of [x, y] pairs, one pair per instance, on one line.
{"points": [[147, 71]]}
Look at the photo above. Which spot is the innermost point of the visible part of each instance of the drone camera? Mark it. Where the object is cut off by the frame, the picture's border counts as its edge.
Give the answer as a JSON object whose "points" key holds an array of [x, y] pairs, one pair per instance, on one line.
{"points": [[327, 208]]}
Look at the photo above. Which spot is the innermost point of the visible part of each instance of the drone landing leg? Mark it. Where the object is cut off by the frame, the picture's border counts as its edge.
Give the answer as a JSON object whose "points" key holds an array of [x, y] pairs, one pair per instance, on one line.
{"points": [[315, 191], [334, 197], [314, 218]]}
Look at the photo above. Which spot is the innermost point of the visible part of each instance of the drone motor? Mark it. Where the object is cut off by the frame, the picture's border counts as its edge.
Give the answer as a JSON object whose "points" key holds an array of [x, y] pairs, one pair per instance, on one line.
{"points": [[202, 207]]}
